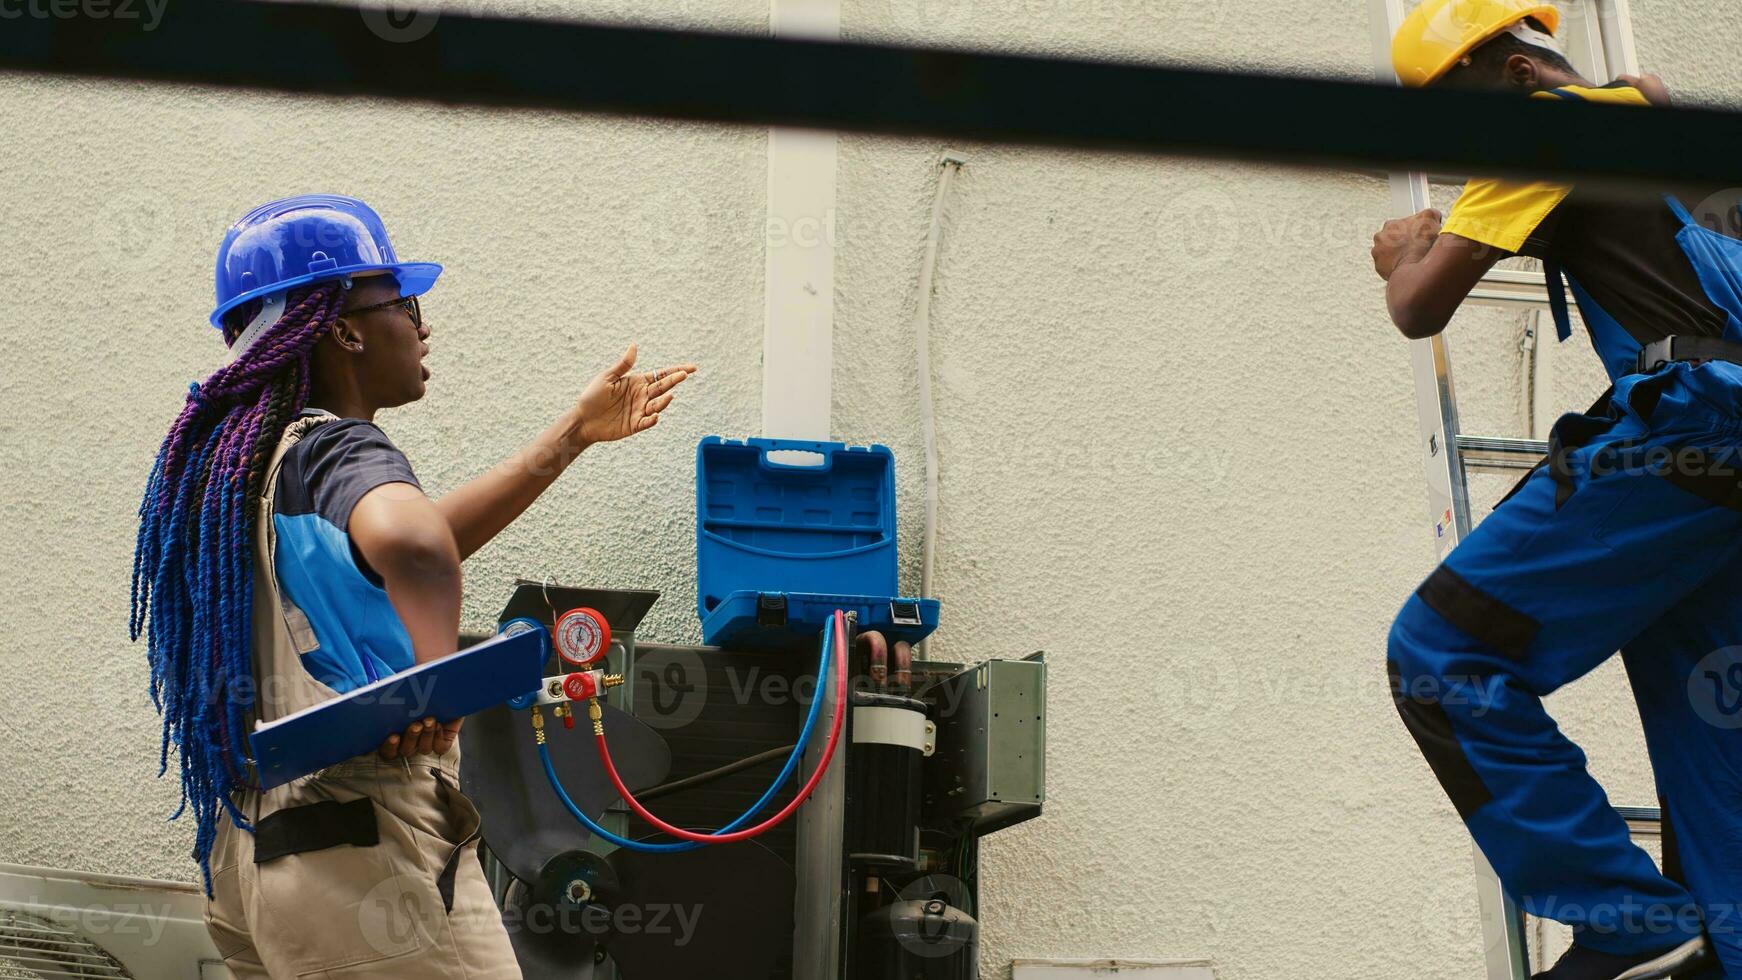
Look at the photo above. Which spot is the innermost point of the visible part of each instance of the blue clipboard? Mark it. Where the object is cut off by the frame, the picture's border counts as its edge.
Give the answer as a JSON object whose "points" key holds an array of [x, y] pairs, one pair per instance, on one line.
{"points": [[476, 678]]}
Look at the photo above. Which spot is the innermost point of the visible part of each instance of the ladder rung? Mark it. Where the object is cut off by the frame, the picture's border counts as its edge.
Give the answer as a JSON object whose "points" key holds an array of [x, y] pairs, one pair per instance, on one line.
{"points": [[1500, 453], [1644, 821], [1511, 288]]}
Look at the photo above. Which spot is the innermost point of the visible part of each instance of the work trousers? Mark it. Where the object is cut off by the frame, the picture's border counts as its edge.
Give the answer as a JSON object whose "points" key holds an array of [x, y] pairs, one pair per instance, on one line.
{"points": [[366, 869], [1629, 539]]}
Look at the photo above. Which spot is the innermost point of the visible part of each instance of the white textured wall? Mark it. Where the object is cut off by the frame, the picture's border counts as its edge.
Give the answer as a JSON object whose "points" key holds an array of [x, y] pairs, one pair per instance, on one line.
{"points": [[1176, 435]]}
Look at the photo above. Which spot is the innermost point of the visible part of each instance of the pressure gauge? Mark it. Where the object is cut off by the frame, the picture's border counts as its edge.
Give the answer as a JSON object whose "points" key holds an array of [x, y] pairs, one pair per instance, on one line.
{"points": [[515, 627], [519, 625], [582, 636]]}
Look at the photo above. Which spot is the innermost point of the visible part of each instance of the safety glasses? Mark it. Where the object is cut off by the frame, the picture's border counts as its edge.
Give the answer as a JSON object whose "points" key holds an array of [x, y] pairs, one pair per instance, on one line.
{"points": [[406, 303]]}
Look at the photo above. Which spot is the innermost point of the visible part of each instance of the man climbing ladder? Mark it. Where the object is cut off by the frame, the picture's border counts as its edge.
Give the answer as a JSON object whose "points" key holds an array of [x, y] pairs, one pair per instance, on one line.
{"points": [[1628, 537]]}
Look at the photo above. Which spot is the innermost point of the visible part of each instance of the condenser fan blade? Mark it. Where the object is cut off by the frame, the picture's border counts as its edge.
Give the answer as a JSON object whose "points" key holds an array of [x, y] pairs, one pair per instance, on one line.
{"points": [[552, 940], [723, 912], [525, 825]]}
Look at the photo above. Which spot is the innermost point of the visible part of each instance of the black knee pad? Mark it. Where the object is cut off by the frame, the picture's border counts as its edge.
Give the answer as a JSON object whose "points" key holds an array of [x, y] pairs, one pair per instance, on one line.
{"points": [[1419, 706]]}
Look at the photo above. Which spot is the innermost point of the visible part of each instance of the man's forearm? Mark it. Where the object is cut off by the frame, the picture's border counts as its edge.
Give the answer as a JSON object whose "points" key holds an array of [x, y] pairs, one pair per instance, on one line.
{"points": [[1406, 302], [480, 509], [1426, 287]]}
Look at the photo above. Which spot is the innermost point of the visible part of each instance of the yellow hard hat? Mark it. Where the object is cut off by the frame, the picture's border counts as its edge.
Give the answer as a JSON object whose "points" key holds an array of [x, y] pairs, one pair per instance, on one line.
{"points": [[1437, 33]]}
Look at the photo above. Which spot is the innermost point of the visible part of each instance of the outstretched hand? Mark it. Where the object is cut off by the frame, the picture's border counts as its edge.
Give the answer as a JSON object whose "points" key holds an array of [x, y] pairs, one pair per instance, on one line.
{"points": [[621, 401]]}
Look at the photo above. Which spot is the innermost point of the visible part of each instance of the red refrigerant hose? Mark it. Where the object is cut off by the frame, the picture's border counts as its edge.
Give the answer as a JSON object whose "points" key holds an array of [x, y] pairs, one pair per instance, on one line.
{"points": [[840, 658]]}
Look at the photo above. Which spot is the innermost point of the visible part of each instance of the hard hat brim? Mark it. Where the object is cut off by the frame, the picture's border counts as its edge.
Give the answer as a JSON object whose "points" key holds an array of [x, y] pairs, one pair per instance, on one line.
{"points": [[414, 278]]}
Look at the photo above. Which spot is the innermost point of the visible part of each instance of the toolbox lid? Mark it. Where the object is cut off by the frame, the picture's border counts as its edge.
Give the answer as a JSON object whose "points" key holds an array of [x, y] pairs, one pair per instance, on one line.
{"points": [[778, 525]]}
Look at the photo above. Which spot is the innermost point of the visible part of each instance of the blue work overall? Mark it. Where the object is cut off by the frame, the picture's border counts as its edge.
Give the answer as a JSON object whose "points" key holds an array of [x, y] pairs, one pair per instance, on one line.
{"points": [[1629, 539]]}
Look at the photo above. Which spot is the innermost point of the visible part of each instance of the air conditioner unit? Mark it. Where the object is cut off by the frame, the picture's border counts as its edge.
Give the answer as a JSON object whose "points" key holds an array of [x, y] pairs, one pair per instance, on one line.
{"points": [[56, 924]]}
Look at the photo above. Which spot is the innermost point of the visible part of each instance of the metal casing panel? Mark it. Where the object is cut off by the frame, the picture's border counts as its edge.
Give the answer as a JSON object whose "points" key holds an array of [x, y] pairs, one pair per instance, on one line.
{"points": [[990, 763], [818, 942]]}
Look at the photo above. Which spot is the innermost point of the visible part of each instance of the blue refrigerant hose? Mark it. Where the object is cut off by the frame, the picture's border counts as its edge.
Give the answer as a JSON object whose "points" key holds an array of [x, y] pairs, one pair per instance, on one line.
{"points": [[786, 772]]}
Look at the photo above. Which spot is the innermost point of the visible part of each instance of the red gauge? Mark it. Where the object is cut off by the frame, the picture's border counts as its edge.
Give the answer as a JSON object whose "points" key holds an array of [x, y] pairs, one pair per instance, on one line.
{"points": [[582, 636]]}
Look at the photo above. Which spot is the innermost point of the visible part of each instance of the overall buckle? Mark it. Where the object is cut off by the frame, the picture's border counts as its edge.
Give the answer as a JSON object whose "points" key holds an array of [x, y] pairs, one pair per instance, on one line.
{"points": [[1694, 350]]}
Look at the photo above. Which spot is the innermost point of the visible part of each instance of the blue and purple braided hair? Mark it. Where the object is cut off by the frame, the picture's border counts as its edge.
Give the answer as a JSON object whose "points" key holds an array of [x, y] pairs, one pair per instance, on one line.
{"points": [[193, 567]]}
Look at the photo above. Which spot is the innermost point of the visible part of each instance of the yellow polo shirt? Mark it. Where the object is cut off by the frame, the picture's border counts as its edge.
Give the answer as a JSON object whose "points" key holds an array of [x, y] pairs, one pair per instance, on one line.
{"points": [[1503, 213]]}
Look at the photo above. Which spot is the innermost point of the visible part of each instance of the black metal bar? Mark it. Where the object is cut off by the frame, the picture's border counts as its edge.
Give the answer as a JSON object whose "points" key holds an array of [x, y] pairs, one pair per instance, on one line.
{"points": [[498, 62]]}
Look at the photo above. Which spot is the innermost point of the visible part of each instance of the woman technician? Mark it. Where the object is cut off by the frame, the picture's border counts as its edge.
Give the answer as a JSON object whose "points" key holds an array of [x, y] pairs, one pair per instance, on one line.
{"points": [[286, 554]]}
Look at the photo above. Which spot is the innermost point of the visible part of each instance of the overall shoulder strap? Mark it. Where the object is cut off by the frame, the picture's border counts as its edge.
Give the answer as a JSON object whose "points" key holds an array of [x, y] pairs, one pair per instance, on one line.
{"points": [[1557, 298], [1551, 269], [281, 631], [1680, 210]]}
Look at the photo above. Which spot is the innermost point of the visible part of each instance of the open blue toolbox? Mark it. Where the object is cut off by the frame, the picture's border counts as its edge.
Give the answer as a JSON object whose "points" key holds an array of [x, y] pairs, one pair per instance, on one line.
{"points": [[781, 545]]}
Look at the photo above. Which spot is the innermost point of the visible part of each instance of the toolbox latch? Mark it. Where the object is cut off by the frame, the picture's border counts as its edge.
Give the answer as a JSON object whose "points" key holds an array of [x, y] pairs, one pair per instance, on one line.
{"points": [[771, 609], [904, 612]]}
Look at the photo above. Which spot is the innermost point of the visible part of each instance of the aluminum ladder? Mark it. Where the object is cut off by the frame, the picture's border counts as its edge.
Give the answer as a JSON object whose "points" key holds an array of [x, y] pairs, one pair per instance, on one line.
{"points": [[1599, 40]]}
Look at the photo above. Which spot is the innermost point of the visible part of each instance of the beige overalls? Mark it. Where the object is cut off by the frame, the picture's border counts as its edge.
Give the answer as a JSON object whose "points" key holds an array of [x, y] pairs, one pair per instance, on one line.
{"points": [[364, 869]]}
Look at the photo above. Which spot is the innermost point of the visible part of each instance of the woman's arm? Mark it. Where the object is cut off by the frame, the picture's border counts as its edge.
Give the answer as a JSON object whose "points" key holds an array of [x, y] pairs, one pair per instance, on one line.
{"points": [[478, 510], [615, 404], [407, 542]]}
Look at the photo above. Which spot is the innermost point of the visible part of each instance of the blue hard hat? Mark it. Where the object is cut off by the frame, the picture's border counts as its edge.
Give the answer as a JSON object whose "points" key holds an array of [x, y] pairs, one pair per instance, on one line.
{"points": [[305, 239]]}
